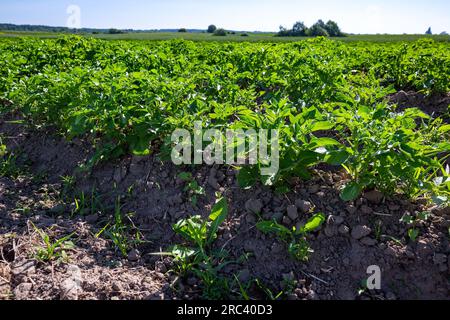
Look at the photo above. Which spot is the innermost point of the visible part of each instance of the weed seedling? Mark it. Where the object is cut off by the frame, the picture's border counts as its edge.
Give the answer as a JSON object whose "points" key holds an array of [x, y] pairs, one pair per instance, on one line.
{"points": [[8, 164], [198, 257], [378, 230], [413, 234], [298, 246], [53, 250], [120, 232], [270, 295], [87, 205], [192, 187], [413, 222], [68, 184]]}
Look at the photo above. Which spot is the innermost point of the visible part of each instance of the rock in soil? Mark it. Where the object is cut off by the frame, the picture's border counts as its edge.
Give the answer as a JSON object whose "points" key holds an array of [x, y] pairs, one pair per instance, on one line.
{"points": [[303, 206], [286, 221], [335, 220], [91, 219], [330, 231], [374, 196], [314, 189], [366, 210], [134, 255], [213, 183], [424, 248], [278, 217], [351, 209], [22, 291], [390, 296], [24, 268], [360, 232], [254, 206], [344, 230], [71, 287], [439, 258], [368, 241], [292, 212]]}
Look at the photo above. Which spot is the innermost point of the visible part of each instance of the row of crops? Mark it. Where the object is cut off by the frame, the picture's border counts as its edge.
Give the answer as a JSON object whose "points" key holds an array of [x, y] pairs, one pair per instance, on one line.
{"points": [[326, 98]]}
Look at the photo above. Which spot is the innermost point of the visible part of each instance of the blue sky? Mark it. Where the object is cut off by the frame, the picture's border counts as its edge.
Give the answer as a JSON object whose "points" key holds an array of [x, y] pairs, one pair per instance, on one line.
{"points": [[355, 16]]}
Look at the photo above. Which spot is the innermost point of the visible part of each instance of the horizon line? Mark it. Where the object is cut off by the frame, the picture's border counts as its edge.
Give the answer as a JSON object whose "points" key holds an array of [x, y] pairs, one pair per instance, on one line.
{"points": [[188, 29]]}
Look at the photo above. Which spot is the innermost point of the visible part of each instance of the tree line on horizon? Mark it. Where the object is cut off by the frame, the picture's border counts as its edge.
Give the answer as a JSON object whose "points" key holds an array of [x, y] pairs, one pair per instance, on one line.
{"points": [[299, 29], [212, 29], [320, 28]]}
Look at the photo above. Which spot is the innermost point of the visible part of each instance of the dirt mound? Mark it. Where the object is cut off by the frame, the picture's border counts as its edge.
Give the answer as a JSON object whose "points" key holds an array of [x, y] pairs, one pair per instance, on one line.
{"points": [[356, 235], [434, 105]]}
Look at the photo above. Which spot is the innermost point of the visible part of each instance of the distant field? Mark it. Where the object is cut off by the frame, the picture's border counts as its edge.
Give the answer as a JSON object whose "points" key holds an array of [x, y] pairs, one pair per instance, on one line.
{"points": [[252, 37]]}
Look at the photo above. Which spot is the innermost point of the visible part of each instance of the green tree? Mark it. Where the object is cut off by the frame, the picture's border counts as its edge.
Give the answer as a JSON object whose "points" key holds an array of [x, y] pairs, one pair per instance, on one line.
{"points": [[283, 32], [333, 29], [220, 32], [319, 29], [211, 29], [115, 31], [299, 29]]}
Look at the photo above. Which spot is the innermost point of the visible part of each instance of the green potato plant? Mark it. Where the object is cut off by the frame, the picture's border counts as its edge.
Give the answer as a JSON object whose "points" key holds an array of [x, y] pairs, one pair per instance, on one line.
{"points": [[392, 151], [326, 98]]}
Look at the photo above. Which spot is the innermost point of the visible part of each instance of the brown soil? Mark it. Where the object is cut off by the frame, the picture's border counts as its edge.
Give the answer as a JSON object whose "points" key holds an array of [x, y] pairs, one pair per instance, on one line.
{"points": [[435, 105], [410, 270]]}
